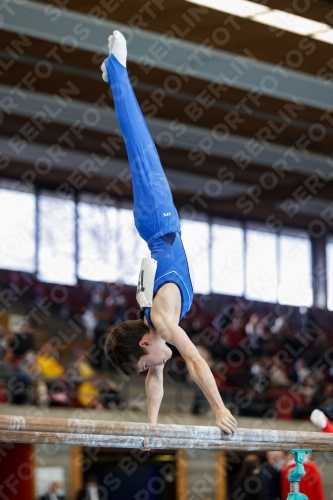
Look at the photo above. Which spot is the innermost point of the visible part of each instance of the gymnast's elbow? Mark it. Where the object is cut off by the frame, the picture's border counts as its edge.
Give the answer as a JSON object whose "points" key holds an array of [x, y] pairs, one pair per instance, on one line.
{"points": [[194, 362]]}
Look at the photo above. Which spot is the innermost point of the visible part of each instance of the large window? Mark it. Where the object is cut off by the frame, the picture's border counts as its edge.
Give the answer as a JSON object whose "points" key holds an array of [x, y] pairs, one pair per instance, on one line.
{"points": [[261, 266], [195, 237], [97, 242], [295, 282], [227, 259], [329, 266], [131, 247], [56, 239], [17, 230]]}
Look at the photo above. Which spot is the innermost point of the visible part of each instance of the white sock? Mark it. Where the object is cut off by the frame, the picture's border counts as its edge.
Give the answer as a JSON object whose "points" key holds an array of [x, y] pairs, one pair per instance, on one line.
{"points": [[104, 73], [119, 48], [110, 44]]}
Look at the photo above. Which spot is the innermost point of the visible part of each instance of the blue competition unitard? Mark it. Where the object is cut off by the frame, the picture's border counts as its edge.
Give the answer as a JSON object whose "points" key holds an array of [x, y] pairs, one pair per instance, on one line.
{"points": [[155, 215]]}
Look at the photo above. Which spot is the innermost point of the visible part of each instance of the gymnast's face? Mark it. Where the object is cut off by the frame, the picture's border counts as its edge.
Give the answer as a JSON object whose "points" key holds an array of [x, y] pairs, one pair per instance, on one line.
{"points": [[158, 352]]}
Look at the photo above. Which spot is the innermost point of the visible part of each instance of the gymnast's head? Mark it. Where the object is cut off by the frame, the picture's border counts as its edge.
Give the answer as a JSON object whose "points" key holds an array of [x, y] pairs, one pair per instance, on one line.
{"points": [[133, 347]]}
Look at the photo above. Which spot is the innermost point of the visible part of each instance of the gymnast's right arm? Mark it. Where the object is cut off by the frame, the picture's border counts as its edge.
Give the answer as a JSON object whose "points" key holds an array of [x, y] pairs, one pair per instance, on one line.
{"points": [[154, 392]]}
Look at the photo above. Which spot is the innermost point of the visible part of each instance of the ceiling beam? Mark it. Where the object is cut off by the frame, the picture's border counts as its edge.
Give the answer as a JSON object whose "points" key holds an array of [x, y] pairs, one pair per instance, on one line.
{"points": [[191, 138], [174, 55], [150, 88], [110, 169]]}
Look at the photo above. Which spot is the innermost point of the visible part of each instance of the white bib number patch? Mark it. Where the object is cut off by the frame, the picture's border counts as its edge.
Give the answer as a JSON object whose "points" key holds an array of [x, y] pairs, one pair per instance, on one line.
{"points": [[144, 293]]}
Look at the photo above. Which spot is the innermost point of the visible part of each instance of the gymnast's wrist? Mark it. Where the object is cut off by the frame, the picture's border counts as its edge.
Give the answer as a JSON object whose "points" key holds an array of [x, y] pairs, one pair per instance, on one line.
{"points": [[218, 410]]}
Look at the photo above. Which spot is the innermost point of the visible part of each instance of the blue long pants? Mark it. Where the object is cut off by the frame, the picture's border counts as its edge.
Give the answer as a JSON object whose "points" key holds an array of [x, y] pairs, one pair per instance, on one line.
{"points": [[154, 212]]}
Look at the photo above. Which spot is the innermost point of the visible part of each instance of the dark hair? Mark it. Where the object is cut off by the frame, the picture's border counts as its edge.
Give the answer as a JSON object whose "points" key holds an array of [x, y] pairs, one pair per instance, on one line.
{"points": [[250, 464], [90, 479], [122, 345]]}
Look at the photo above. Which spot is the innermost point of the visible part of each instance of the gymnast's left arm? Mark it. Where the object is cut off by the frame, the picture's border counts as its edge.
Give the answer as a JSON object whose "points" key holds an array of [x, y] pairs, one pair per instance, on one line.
{"points": [[199, 371]]}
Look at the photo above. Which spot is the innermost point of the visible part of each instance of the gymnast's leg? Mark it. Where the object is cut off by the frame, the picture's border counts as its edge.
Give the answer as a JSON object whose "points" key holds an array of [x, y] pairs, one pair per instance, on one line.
{"points": [[154, 212]]}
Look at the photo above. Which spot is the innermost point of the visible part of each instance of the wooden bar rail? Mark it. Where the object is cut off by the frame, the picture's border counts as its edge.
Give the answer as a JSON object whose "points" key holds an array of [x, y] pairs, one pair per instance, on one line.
{"points": [[130, 435]]}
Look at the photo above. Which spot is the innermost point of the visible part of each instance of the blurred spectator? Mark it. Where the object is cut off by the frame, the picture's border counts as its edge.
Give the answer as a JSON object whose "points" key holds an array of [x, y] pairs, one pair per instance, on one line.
{"points": [[292, 340], [225, 319], [85, 377], [324, 399], [109, 395], [28, 366], [119, 304], [58, 393], [259, 380], [232, 336], [305, 396], [87, 395], [250, 327], [47, 364], [3, 339], [263, 337], [258, 383], [308, 389], [6, 366], [321, 344], [41, 393], [27, 363], [253, 330], [23, 340], [249, 485], [56, 492], [270, 475], [52, 371], [280, 325], [305, 317], [271, 344], [92, 390], [16, 381], [90, 490], [310, 484], [302, 371], [80, 367], [102, 315], [277, 374]]}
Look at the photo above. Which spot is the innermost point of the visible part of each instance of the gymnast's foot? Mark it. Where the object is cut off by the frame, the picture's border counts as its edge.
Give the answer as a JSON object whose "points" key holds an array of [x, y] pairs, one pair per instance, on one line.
{"points": [[117, 47]]}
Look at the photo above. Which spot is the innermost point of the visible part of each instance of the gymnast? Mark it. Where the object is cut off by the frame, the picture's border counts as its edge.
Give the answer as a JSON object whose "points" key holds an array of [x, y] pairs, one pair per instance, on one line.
{"points": [[164, 290]]}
